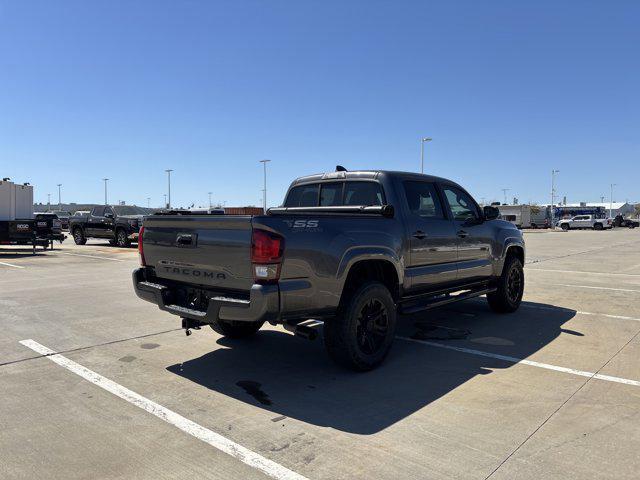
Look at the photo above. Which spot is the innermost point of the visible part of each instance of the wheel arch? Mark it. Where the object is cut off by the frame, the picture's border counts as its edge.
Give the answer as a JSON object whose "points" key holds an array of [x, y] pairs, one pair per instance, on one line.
{"points": [[379, 266]]}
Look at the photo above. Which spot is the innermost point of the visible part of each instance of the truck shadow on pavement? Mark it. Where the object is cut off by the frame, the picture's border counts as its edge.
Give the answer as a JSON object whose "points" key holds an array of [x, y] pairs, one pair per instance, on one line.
{"points": [[294, 378]]}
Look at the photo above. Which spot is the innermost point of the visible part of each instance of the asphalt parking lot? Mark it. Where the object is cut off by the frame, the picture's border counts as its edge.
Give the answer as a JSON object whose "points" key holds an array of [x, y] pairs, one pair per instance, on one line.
{"points": [[551, 391]]}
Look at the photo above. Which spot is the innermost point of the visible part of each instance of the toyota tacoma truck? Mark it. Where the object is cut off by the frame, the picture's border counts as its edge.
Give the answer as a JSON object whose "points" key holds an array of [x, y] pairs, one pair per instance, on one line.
{"points": [[119, 224], [352, 249]]}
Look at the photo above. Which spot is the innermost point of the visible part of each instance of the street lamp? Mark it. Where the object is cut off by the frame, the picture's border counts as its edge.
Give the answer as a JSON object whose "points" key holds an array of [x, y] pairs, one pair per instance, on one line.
{"points": [[422, 140], [264, 192], [59, 197], [48, 201], [209, 199], [611, 200], [553, 193], [504, 191], [105, 180], [148, 202], [165, 199], [169, 184]]}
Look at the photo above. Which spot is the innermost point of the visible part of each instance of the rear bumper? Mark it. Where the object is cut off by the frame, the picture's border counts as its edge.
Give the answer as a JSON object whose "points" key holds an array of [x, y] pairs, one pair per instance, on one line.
{"points": [[263, 303]]}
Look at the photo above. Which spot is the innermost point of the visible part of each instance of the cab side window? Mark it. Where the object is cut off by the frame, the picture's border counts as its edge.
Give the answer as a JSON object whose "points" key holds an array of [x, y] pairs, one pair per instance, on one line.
{"points": [[98, 212], [462, 206], [423, 199]]}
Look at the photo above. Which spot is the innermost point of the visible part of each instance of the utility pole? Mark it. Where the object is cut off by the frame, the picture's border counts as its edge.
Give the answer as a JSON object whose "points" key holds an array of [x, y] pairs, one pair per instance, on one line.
{"points": [[422, 140], [504, 191], [264, 192], [611, 200], [59, 196], [553, 194], [169, 185], [105, 180], [209, 199]]}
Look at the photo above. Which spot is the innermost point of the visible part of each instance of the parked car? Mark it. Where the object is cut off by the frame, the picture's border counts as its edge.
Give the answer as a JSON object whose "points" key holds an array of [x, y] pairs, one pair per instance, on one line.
{"points": [[620, 221], [63, 216], [349, 248], [585, 222], [119, 224]]}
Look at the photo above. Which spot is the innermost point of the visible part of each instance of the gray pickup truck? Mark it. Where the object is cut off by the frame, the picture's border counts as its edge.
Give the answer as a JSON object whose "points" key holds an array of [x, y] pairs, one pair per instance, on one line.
{"points": [[350, 249]]}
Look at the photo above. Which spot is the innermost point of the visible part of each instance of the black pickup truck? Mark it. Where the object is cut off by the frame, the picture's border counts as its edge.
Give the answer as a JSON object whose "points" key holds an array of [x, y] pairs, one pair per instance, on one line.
{"points": [[351, 249], [119, 224]]}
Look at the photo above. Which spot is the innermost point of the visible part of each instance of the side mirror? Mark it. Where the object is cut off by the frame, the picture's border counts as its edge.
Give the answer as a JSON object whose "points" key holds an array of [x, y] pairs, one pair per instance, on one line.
{"points": [[491, 213], [388, 211], [108, 215]]}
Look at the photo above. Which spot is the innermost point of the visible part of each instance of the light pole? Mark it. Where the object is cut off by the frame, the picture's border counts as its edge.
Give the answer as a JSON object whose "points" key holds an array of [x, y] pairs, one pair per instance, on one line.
{"points": [[48, 201], [105, 180], [553, 193], [148, 202], [59, 196], [264, 192], [422, 140], [165, 200], [209, 199], [169, 185], [611, 200], [504, 191]]}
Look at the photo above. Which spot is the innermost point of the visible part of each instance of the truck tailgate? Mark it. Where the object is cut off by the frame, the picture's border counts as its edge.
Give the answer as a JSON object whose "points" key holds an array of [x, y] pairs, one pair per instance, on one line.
{"points": [[210, 251]]}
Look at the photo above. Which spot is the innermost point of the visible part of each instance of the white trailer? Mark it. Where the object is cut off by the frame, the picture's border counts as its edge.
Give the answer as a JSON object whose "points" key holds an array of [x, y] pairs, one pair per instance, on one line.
{"points": [[525, 216]]}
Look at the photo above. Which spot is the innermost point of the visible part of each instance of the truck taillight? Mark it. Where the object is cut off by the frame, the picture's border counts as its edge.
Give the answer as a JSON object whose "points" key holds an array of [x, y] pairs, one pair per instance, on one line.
{"points": [[141, 247], [266, 256]]}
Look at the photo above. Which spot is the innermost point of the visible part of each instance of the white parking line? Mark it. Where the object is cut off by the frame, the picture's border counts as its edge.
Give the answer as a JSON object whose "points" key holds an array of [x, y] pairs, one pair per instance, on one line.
{"points": [[568, 310], [531, 363], [11, 265], [594, 288], [214, 439], [529, 269], [92, 256]]}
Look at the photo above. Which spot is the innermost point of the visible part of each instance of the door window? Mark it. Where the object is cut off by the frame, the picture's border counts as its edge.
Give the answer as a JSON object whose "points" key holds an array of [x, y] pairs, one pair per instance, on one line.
{"points": [[423, 200], [462, 205], [98, 212]]}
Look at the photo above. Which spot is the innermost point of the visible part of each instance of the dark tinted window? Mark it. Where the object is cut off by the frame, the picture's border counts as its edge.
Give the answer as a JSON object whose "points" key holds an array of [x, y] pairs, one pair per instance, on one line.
{"points": [[363, 193], [461, 204], [423, 200], [98, 211], [331, 194], [303, 196]]}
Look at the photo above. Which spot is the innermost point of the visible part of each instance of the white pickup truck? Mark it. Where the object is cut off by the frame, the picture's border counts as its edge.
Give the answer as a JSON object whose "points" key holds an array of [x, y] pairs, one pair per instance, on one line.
{"points": [[585, 221]]}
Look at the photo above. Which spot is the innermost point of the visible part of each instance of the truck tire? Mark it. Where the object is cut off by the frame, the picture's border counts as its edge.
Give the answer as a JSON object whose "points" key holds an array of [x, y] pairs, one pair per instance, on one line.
{"points": [[597, 226], [564, 226], [360, 336], [78, 236], [122, 240], [508, 296], [236, 329]]}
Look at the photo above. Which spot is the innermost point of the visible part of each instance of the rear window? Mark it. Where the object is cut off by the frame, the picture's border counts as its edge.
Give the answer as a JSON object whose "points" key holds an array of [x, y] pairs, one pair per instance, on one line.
{"points": [[303, 196], [363, 193], [333, 194]]}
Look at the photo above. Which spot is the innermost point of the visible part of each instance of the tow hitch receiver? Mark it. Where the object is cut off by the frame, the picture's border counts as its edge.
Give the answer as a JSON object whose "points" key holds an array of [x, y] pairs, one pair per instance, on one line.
{"points": [[188, 324]]}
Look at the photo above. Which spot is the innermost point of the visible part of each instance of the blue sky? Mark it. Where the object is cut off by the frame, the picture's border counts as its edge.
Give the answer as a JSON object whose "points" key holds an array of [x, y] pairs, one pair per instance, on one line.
{"points": [[507, 90]]}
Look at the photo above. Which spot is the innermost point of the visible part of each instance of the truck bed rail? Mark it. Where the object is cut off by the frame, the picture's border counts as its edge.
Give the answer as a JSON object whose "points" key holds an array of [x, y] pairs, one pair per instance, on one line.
{"points": [[384, 210]]}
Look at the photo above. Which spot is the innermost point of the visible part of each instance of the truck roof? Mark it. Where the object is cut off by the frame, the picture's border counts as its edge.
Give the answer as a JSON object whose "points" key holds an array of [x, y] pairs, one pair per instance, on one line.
{"points": [[366, 175]]}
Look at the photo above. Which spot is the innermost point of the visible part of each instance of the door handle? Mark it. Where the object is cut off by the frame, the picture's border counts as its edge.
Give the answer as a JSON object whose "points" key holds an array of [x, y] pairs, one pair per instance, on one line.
{"points": [[462, 234], [419, 235], [184, 239]]}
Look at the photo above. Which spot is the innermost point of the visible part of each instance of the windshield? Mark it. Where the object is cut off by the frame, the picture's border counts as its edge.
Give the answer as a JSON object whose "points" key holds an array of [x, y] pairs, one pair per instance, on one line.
{"points": [[131, 210]]}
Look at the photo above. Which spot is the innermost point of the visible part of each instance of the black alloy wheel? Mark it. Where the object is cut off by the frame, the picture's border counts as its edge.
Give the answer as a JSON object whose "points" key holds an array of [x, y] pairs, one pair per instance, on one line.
{"points": [[373, 326]]}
